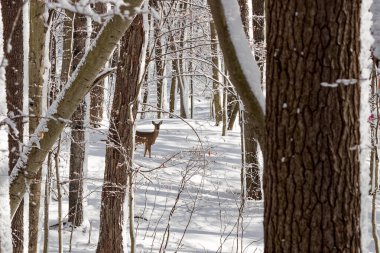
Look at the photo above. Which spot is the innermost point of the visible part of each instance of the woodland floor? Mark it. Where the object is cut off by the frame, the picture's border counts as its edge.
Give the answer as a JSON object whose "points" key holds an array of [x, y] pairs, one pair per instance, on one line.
{"points": [[206, 213]]}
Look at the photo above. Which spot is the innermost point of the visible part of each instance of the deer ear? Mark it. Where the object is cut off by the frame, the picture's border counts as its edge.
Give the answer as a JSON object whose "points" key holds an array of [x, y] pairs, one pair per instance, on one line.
{"points": [[153, 122], [160, 122]]}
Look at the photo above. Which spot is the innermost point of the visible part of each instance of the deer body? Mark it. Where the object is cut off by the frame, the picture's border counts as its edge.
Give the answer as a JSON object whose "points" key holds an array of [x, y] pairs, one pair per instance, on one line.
{"points": [[148, 138]]}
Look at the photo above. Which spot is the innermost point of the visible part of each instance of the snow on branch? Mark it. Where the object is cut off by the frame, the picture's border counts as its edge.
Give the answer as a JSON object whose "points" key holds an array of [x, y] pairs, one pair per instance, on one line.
{"points": [[240, 63], [86, 8]]}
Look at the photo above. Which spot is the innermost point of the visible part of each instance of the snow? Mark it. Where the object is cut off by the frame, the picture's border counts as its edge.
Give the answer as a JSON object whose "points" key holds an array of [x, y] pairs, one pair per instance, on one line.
{"points": [[365, 64], [241, 45], [209, 197]]}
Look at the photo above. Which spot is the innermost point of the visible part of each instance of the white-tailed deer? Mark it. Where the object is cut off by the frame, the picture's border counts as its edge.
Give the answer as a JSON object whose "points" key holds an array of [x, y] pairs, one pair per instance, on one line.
{"points": [[148, 138]]}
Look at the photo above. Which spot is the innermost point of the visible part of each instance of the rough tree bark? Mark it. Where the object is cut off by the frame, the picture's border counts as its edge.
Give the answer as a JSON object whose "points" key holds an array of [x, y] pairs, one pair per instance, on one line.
{"points": [[77, 147], [14, 75], [119, 151], [36, 71], [63, 108], [311, 177]]}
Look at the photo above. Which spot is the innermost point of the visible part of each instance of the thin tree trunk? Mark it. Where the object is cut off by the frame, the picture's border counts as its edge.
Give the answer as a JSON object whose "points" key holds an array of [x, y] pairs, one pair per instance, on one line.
{"points": [[57, 175], [47, 203], [160, 60], [258, 23], [77, 147], [224, 112], [312, 172], [14, 75], [36, 70], [244, 13], [97, 93], [173, 89], [67, 50], [215, 75], [119, 153], [191, 93]]}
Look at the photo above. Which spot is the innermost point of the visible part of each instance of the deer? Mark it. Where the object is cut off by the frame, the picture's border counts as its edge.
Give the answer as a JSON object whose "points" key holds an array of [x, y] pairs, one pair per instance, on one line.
{"points": [[148, 138]]}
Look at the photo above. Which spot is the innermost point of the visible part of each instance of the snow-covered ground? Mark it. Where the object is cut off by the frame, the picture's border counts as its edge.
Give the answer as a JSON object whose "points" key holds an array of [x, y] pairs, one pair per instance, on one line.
{"points": [[190, 187]]}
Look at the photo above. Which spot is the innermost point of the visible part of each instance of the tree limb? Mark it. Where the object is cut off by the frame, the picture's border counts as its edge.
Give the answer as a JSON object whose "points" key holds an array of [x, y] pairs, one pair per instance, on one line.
{"points": [[240, 63]]}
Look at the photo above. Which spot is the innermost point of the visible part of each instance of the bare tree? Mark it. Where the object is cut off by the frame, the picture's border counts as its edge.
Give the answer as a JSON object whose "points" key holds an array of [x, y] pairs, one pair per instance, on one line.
{"points": [[36, 70], [119, 152]]}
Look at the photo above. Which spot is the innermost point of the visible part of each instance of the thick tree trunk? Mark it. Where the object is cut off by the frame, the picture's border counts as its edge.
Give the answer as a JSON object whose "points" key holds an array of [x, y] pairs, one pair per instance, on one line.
{"points": [[77, 147], [311, 177], [36, 71], [119, 152], [14, 75], [72, 95]]}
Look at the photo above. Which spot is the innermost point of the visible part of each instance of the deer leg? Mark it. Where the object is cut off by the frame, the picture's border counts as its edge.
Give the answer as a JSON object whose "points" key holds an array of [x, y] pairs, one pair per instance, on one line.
{"points": [[150, 151], [145, 150]]}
